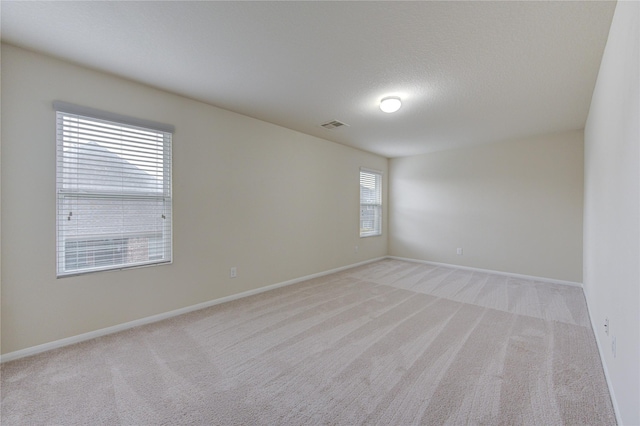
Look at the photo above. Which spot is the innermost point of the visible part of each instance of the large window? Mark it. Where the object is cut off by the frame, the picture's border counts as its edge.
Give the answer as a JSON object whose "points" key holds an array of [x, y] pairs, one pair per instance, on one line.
{"points": [[370, 203], [113, 186]]}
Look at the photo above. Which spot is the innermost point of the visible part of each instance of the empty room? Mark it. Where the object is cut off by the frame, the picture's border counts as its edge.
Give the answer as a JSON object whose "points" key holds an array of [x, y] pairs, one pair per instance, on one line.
{"points": [[306, 213]]}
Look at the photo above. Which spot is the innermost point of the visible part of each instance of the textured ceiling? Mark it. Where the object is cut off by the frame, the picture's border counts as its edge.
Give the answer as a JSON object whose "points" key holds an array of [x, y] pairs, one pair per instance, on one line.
{"points": [[468, 72]]}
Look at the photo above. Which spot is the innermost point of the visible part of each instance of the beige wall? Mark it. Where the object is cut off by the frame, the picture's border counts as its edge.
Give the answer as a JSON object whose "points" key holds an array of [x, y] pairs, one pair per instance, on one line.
{"points": [[511, 206], [275, 203], [612, 209]]}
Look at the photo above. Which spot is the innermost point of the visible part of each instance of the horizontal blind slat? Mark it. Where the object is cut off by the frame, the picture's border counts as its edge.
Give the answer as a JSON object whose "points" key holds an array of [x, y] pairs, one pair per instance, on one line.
{"points": [[114, 195], [370, 203], [67, 108]]}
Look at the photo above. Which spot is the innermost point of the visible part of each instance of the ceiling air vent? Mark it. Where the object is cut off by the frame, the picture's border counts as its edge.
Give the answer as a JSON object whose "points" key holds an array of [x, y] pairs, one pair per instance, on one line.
{"points": [[333, 124]]}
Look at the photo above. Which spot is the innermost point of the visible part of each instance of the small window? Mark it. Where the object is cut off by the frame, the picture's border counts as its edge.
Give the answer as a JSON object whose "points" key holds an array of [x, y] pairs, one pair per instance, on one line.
{"points": [[113, 186], [370, 203]]}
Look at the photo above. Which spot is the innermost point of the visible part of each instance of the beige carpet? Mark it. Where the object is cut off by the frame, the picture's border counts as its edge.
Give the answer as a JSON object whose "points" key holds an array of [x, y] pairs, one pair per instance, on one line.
{"points": [[389, 343]]}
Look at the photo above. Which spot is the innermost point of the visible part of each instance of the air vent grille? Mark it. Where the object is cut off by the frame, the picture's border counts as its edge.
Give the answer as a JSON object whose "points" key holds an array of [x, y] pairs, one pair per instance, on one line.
{"points": [[333, 124]]}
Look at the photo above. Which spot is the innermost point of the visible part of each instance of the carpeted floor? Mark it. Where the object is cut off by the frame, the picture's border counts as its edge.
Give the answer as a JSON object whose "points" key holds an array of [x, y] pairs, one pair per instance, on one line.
{"points": [[389, 343]]}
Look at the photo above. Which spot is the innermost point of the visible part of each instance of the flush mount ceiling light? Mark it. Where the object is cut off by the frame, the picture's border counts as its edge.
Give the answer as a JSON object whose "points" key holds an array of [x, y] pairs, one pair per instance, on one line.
{"points": [[390, 104]]}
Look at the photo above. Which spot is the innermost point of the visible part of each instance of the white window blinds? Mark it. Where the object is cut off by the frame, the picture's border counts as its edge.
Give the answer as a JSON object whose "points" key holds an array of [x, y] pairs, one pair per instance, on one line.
{"points": [[113, 186], [370, 203]]}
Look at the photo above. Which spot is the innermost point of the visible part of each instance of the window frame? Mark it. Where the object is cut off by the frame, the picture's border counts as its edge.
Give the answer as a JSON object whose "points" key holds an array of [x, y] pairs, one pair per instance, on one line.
{"points": [[376, 206], [160, 195]]}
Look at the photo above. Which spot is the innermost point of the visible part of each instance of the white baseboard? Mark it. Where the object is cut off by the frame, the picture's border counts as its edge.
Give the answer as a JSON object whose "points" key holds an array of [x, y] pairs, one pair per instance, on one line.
{"points": [[490, 271], [614, 402], [159, 317]]}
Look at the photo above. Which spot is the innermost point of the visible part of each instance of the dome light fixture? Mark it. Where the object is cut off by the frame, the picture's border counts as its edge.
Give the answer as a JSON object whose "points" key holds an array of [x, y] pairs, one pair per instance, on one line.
{"points": [[390, 104]]}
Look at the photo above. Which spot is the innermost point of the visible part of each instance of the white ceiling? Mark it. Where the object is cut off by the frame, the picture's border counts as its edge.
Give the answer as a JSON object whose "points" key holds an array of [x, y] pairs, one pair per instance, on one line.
{"points": [[468, 72]]}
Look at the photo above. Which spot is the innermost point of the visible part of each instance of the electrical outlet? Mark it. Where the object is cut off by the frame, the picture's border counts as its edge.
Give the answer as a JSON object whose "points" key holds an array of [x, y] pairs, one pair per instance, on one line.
{"points": [[233, 272], [459, 251], [606, 326], [356, 249]]}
